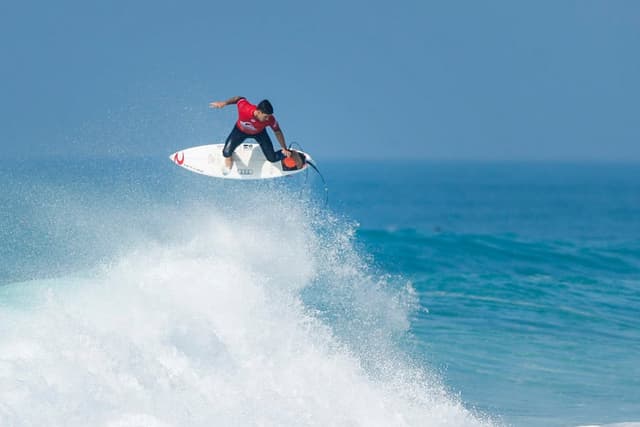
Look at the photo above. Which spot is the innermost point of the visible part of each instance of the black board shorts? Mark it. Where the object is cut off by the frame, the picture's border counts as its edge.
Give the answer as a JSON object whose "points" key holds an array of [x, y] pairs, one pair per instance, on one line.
{"points": [[237, 137]]}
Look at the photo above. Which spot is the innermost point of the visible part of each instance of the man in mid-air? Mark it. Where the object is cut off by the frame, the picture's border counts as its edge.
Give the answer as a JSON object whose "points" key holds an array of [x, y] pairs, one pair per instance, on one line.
{"points": [[252, 123]]}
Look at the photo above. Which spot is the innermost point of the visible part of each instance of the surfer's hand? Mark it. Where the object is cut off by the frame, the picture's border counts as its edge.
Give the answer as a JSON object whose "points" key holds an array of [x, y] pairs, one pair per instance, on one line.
{"points": [[286, 152], [217, 104]]}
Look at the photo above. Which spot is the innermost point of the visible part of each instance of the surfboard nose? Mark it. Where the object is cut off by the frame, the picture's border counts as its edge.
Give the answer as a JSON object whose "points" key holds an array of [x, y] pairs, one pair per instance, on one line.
{"points": [[177, 158]]}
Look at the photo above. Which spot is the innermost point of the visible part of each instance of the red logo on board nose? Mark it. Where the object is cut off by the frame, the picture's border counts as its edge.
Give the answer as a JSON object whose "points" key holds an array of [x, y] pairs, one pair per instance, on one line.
{"points": [[179, 158]]}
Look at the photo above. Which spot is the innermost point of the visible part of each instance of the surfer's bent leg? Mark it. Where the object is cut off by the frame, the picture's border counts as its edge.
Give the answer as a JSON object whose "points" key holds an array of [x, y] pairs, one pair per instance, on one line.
{"points": [[267, 147], [235, 138]]}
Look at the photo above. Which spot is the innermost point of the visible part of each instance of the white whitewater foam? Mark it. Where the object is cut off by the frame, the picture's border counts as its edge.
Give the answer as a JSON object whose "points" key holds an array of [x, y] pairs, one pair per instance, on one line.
{"points": [[210, 329]]}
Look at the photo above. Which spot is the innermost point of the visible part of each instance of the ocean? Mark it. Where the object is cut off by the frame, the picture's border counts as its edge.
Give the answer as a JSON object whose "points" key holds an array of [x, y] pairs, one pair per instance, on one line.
{"points": [[134, 293]]}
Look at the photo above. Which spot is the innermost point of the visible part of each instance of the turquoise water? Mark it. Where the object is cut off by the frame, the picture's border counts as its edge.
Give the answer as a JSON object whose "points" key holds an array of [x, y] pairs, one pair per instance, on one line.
{"points": [[424, 294], [531, 277]]}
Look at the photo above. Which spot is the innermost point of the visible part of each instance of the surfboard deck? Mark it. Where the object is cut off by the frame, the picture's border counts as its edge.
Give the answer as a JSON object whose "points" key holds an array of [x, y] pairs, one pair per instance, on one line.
{"points": [[248, 162]]}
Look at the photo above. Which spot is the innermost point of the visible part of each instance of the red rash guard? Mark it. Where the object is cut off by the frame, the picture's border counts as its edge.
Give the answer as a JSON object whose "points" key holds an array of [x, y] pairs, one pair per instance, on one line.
{"points": [[248, 124]]}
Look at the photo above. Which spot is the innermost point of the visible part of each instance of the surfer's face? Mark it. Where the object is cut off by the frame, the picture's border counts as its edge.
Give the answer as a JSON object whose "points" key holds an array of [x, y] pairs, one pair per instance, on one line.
{"points": [[261, 116]]}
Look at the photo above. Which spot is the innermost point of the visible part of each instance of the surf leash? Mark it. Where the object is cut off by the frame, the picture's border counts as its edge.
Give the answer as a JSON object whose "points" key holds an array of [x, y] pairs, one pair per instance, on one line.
{"points": [[315, 168]]}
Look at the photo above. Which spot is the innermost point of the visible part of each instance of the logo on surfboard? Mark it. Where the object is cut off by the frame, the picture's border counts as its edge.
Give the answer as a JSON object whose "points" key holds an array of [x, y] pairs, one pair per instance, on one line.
{"points": [[179, 158]]}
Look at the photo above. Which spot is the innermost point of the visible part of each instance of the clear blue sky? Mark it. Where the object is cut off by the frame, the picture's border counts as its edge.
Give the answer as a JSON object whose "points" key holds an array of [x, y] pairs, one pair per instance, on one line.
{"points": [[483, 80]]}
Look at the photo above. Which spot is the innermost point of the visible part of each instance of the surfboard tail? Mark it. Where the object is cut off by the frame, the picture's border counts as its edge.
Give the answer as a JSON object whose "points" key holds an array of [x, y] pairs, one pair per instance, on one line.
{"points": [[296, 161]]}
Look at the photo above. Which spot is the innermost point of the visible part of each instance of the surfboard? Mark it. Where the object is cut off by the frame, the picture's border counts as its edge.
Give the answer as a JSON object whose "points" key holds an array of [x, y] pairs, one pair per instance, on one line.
{"points": [[248, 162]]}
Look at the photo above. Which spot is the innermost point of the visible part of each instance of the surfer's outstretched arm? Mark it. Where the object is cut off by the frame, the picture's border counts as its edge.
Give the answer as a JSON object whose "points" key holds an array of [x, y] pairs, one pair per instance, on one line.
{"points": [[220, 104]]}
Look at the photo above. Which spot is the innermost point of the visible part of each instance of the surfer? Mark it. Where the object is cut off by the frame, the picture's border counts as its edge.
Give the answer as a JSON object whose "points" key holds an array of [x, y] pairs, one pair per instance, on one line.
{"points": [[252, 123]]}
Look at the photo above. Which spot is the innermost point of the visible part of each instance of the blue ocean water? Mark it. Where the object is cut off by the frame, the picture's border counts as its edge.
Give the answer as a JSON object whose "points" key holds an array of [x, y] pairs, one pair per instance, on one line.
{"points": [[134, 293]]}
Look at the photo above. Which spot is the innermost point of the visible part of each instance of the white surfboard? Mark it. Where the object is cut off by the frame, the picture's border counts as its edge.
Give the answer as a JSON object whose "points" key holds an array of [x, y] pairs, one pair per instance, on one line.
{"points": [[248, 162]]}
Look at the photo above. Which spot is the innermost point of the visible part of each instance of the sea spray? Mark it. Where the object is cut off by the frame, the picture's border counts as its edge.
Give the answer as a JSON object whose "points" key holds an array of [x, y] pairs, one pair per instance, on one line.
{"points": [[258, 310]]}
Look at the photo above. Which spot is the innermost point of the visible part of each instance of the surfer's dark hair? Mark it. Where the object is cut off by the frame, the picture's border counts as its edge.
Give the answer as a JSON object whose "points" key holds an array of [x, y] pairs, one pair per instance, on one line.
{"points": [[265, 106]]}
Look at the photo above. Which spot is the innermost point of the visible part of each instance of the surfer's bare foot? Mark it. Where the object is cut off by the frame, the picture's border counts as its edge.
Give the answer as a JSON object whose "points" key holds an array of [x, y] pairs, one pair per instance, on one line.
{"points": [[228, 162]]}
